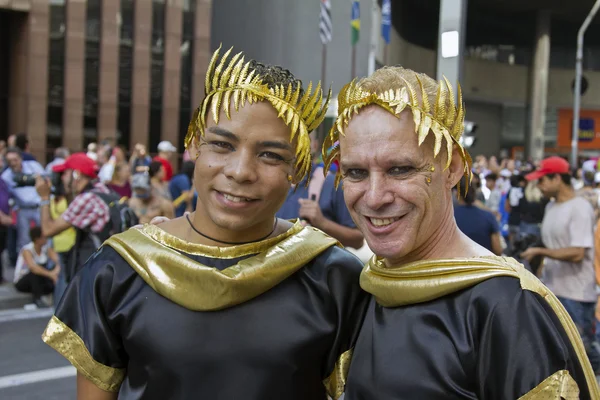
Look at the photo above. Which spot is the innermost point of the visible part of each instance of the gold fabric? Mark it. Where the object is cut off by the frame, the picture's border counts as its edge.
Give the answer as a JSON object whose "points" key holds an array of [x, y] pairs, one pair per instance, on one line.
{"points": [[336, 382], [558, 386], [62, 339], [156, 256], [445, 118], [431, 279], [234, 79]]}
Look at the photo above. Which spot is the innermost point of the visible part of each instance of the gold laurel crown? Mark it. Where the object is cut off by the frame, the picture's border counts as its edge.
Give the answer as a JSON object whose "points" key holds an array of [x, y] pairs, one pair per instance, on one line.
{"points": [[445, 119], [235, 79]]}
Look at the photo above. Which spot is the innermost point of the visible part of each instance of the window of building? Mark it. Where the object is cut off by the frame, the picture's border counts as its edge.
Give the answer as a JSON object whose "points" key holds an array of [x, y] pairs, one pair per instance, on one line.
{"points": [[187, 66], [157, 49], [127, 20], [92, 66], [56, 75]]}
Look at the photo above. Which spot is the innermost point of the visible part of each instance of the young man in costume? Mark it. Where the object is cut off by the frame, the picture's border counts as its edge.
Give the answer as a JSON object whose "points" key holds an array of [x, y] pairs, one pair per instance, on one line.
{"points": [[227, 302], [448, 319]]}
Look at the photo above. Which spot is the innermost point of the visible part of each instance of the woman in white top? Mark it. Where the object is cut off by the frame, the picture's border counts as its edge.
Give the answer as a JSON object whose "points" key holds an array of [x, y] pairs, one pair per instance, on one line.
{"points": [[31, 273]]}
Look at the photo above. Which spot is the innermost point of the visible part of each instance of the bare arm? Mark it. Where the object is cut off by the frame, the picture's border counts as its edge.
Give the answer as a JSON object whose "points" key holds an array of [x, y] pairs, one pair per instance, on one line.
{"points": [[168, 210], [349, 237], [51, 227], [33, 266], [54, 257], [571, 254], [496, 244], [86, 390]]}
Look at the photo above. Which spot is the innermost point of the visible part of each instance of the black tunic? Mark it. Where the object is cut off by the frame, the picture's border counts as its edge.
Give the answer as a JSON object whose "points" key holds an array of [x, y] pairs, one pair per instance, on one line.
{"points": [[280, 344], [490, 340]]}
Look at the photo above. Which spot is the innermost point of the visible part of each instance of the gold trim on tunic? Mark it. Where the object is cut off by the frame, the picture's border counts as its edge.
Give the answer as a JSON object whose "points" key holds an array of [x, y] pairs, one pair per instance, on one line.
{"points": [[157, 257], [336, 382], [558, 386], [428, 280], [64, 340]]}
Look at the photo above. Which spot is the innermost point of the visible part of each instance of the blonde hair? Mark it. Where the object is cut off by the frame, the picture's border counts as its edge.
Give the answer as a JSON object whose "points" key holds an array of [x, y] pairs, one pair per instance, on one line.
{"points": [[532, 193]]}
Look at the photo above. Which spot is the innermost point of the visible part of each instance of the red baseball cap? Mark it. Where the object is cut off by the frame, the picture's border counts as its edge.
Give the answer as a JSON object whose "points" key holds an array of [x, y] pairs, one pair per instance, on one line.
{"points": [[79, 162], [550, 165]]}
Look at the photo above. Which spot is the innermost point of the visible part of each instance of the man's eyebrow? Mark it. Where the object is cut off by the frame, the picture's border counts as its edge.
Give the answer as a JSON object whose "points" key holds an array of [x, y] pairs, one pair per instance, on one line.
{"points": [[224, 133], [276, 145]]}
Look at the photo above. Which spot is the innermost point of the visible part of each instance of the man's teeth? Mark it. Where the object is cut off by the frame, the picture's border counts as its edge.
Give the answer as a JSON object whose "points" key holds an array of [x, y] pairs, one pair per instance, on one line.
{"points": [[235, 199], [383, 222]]}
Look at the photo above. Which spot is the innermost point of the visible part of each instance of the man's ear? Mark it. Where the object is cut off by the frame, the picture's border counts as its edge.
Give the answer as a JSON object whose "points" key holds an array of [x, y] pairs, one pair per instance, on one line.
{"points": [[194, 147], [456, 170]]}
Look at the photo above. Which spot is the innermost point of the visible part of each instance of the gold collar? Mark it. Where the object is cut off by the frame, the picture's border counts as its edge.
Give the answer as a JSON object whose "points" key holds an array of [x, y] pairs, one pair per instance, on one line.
{"points": [[428, 280], [157, 257]]}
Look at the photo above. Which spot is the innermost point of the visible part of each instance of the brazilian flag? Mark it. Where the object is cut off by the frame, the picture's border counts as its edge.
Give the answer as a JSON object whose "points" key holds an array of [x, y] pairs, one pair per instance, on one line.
{"points": [[355, 22]]}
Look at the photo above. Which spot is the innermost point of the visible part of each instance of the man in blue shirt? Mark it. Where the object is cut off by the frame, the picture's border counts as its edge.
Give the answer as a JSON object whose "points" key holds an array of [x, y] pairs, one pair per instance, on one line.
{"points": [[180, 184], [27, 201], [324, 209]]}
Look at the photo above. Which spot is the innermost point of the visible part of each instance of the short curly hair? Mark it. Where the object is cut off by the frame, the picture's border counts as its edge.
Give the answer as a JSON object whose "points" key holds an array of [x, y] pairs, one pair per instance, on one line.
{"points": [[274, 75]]}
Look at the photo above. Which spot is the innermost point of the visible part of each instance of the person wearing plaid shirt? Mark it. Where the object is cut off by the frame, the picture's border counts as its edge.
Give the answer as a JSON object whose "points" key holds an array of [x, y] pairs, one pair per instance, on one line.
{"points": [[87, 213]]}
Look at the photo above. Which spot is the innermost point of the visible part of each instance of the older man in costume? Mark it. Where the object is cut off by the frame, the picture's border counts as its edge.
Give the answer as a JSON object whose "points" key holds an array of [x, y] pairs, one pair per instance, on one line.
{"points": [[448, 319], [228, 302]]}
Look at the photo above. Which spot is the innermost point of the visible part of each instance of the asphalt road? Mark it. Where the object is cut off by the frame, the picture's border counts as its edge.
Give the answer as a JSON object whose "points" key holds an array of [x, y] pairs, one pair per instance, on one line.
{"points": [[29, 369]]}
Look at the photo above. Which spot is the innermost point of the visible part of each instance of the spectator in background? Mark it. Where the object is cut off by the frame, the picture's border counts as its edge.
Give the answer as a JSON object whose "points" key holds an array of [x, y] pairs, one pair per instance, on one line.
{"points": [[567, 233], [26, 199], [512, 206], [60, 155], [479, 225], [92, 149], [88, 213], [22, 142], [588, 191], [5, 220], [160, 187], [181, 185], [493, 200], [166, 150], [108, 168], [140, 160], [32, 274], [322, 205], [64, 241], [532, 206], [145, 203], [120, 180]]}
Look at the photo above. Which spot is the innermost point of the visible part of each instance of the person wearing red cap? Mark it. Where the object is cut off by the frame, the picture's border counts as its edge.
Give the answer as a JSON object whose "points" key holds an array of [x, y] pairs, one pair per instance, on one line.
{"points": [[568, 234], [88, 213]]}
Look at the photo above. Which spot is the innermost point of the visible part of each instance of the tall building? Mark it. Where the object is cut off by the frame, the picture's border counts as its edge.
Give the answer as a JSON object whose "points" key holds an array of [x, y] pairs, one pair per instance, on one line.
{"points": [[74, 72]]}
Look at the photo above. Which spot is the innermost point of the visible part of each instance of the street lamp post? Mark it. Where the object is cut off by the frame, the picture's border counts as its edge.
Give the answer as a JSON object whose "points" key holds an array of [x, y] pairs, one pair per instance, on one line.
{"points": [[577, 92]]}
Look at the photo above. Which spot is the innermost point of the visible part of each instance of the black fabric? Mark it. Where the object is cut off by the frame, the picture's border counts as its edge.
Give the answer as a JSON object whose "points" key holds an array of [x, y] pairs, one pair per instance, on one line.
{"points": [[532, 212], [279, 345], [37, 285], [490, 342]]}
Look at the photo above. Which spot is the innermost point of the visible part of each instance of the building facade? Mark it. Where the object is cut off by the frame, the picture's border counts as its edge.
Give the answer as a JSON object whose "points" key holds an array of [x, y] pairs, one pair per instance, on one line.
{"points": [[74, 72]]}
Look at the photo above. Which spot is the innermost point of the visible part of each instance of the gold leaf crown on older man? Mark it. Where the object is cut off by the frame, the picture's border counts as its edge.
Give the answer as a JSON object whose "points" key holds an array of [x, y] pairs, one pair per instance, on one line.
{"points": [[396, 89], [301, 110]]}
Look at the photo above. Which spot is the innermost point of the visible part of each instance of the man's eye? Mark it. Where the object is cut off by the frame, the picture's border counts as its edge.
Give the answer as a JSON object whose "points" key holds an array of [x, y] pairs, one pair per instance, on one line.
{"points": [[221, 145], [400, 170], [355, 174], [271, 156]]}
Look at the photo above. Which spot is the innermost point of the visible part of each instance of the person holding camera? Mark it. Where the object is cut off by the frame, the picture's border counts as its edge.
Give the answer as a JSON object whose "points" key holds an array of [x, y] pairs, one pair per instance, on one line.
{"points": [[20, 179], [88, 212]]}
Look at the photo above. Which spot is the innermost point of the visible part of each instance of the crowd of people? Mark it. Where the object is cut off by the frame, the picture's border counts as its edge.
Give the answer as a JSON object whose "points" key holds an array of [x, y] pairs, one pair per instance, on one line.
{"points": [[254, 282], [45, 211]]}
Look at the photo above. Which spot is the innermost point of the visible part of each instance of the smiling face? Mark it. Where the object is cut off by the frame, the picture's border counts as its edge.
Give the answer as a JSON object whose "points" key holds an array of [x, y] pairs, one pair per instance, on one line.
{"points": [[241, 173], [393, 195]]}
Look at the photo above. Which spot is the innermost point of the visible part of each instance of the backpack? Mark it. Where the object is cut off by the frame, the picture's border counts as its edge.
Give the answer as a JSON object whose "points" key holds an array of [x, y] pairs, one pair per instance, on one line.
{"points": [[122, 217], [86, 243]]}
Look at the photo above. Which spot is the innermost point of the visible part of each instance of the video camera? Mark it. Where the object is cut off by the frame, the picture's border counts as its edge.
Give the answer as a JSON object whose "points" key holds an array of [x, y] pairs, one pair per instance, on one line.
{"points": [[521, 243], [24, 180]]}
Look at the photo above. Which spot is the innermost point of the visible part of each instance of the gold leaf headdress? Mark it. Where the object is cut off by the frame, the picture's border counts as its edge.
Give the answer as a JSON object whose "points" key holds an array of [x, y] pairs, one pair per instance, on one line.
{"points": [[445, 119], [235, 79]]}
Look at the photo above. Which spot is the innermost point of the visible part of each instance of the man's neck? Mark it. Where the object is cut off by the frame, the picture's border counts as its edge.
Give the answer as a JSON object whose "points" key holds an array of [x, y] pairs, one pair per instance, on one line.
{"points": [[565, 193]]}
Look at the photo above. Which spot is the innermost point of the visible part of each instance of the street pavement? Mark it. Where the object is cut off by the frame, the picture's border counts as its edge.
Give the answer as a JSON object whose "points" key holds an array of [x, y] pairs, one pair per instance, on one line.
{"points": [[29, 369]]}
